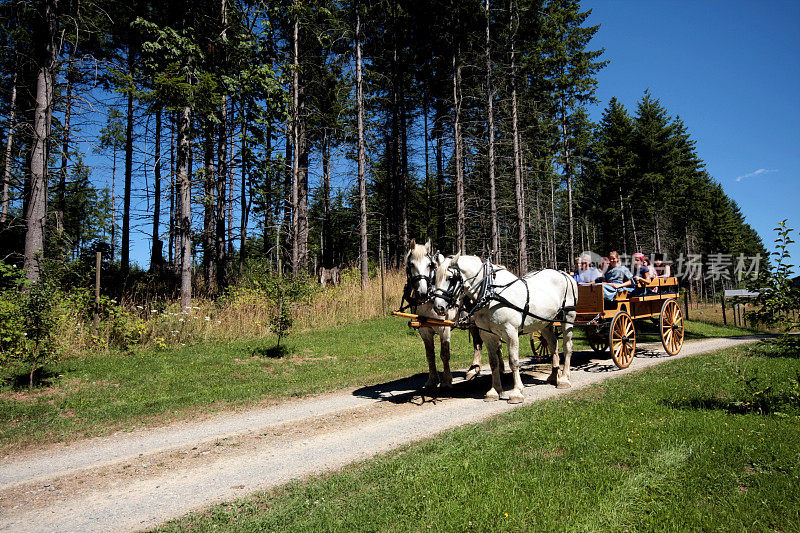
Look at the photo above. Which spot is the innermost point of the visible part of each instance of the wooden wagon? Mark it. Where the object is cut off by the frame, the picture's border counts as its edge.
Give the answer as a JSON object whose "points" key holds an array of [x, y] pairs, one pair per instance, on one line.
{"points": [[611, 324]]}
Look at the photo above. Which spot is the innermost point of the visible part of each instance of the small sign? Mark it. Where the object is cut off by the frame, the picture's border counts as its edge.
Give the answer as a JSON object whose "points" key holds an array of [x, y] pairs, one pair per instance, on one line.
{"points": [[740, 293]]}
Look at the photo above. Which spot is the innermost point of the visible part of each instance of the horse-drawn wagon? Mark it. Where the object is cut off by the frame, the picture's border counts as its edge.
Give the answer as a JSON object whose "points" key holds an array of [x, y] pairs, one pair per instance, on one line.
{"points": [[612, 324]]}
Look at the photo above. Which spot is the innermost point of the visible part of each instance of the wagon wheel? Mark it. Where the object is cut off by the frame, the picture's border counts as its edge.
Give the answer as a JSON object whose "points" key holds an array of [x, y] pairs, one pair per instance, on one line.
{"points": [[671, 326], [596, 339], [539, 345], [622, 339]]}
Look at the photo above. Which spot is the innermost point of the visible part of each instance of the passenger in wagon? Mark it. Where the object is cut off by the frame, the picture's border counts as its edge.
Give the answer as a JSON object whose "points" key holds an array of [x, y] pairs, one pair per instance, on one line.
{"points": [[586, 272], [641, 274], [617, 278], [660, 268]]}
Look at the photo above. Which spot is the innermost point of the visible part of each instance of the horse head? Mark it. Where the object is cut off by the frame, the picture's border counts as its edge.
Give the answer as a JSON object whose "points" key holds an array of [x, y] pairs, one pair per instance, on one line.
{"points": [[420, 269], [457, 276]]}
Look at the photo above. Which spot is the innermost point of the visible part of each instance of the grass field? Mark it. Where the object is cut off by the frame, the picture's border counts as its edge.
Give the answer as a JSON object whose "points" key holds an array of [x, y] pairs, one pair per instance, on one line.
{"points": [[96, 394], [707, 443]]}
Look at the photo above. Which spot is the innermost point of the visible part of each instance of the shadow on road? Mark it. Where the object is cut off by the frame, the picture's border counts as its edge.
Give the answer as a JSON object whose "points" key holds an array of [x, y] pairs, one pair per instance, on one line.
{"points": [[534, 372]]}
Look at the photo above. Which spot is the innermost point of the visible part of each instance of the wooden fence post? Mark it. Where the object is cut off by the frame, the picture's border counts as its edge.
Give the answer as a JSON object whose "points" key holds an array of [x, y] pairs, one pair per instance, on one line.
{"points": [[380, 265], [686, 303], [724, 317], [98, 263]]}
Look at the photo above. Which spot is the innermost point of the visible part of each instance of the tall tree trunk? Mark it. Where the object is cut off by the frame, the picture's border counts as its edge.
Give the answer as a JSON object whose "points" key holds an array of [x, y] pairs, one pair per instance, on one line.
{"points": [[185, 220], [440, 218], [495, 232], [221, 205], [9, 146], [362, 185], [461, 240], [554, 243], [245, 173], [126, 200], [61, 190], [156, 255], [519, 191], [428, 195], [404, 179], [568, 176], [172, 192], [209, 211], [36, 208], [295, 143], [222, 174], [326, 201]]}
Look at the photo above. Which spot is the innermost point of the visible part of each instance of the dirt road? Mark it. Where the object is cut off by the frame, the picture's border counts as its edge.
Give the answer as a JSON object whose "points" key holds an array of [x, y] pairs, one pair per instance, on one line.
{"points": [[138, 480]]}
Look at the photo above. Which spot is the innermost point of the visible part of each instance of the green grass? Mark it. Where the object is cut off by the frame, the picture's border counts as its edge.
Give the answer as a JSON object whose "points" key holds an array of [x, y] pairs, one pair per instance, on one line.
{"points": [[697, 444], [98, 393]]}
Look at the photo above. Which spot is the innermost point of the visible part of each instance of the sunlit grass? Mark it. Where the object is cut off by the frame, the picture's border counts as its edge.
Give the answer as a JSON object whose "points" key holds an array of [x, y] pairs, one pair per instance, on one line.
{"points": [[98, 392], [668, 448]]}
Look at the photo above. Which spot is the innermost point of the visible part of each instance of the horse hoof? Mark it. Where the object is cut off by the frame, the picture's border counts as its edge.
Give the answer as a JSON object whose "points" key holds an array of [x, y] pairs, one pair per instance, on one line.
{"points": [[431, 385], [504, 396], [472, 374], [491, 396], [564, 385], [446, 386], [516, 398]]}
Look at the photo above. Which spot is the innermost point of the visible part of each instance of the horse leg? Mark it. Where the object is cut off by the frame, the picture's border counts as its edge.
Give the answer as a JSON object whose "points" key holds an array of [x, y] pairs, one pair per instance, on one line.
{"points": [[549, 336], [433, 375], [444, 353], [493, 347], [564, 380], [475, 368], [516, 394]]}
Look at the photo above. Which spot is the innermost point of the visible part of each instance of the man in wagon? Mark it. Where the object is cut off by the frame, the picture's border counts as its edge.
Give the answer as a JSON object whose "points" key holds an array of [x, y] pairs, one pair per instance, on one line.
{"points": [[586, 272], [617, 278]]}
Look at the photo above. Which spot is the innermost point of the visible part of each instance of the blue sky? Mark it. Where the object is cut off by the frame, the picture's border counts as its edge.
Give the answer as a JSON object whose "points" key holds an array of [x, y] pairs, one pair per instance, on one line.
{"points": [[730, 70]]}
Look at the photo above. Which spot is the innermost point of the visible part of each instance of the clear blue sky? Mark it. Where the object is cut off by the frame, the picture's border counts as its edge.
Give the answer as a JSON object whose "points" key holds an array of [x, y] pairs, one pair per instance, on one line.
{"points": [[731, 71]]}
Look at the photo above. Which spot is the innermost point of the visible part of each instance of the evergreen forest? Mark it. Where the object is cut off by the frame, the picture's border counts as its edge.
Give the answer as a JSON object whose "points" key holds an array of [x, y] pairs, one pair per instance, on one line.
{"points": [[281, 136]]}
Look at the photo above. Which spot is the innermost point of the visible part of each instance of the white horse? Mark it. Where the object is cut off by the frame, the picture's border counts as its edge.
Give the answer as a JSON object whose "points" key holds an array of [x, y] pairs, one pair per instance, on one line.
{"points": [[508, 306], [420, 271]]}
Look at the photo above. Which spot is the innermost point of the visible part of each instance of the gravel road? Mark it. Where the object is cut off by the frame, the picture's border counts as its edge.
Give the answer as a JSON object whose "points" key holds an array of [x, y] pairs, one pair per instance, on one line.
{"points": [[137, 480]]}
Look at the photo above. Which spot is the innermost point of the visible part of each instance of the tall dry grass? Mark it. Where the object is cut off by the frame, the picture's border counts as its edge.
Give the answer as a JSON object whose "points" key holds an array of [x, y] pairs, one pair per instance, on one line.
{"points": [[242, 313]]}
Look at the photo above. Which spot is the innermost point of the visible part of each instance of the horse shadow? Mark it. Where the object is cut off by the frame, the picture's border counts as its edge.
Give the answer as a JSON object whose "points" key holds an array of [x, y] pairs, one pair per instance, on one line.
{"points": [[411, 390]]}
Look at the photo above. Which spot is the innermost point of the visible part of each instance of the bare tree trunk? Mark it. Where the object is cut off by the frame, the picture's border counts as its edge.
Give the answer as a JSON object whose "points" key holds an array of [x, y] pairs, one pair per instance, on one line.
{"points": [[222, 174], [327, 258], [295, 144], [404, 194], [156, 256], [172, 193], [36, 208], [9, 146], [61, 190], [126, 200], [495, 232], [243, 192], [519, 191], [624, 227], [209, 211], [362, 159], [185, 221], [428, 196], [635, 237], [440, 219], [220, 250], [568, 175], [461, 240], [539, 226], [554, 243]]}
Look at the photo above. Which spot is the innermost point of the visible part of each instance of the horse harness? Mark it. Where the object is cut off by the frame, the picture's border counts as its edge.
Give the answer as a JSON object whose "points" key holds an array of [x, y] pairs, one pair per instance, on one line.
{"points": [[490, 292], [411, 298]]}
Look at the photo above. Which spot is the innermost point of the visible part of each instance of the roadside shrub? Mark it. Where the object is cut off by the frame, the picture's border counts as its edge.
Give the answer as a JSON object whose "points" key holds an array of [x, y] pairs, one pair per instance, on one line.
{"points": [[12, 327], [39, 323]]}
